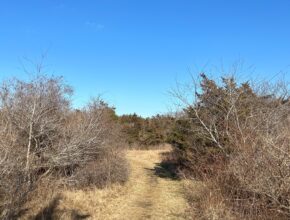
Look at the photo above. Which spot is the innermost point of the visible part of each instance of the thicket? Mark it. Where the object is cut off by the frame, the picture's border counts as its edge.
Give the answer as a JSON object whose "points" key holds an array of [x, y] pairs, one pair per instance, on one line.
{"points": [[236, 138], [42, 138], [145, 132]]}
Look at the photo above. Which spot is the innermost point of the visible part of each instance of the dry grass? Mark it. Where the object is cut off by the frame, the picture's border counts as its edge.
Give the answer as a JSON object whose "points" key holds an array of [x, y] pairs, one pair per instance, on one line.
{"points": [[145, 196], [206, 202]]}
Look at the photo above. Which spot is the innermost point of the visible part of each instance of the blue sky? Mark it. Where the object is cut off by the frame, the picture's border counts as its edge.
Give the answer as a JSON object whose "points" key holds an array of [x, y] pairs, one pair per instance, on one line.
{"points": [[133, 51]]}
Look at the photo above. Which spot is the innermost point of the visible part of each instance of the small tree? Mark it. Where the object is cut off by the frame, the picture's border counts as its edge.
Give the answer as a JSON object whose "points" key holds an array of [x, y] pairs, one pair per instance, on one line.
{"points": [[41, 135], [32, 114], [241, 135]]}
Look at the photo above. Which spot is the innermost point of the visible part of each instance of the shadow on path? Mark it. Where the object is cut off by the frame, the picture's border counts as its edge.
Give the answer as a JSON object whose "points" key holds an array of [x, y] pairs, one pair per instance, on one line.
{"points": [[165, 169]]}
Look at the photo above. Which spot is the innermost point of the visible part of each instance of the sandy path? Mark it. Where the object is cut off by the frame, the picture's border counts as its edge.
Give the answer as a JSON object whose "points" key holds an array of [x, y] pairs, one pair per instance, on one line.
{"points": [[152, 197], [145, 196]]}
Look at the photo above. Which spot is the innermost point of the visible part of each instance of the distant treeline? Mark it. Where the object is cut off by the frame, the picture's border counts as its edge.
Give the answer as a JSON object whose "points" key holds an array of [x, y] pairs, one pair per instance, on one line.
{"points": [[139, 132], [144, 132]]}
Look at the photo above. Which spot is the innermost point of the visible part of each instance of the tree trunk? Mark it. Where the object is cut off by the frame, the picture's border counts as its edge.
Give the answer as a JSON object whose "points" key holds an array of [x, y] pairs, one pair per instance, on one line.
{"points": [[27, 167]]}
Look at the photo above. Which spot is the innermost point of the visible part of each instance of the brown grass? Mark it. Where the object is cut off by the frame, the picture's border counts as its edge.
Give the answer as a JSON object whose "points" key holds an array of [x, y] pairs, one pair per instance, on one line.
{"points": [[147, 195], [206, 202]]}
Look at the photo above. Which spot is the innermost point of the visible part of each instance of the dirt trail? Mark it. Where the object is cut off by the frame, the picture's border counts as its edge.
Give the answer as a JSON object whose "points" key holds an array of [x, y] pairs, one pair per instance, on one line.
{"points": [[149, 194], [152, 196]]}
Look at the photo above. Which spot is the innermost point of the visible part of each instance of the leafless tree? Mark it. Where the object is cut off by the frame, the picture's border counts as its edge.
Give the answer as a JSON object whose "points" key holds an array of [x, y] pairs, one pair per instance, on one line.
{"points": [[31, 114], [41, 135]]}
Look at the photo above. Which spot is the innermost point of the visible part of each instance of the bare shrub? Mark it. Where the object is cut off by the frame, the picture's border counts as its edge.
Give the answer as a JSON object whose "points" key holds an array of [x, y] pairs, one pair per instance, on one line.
{"points": [[31, 116], [262, 170], [41, 136], [84, 135], [207, 202], [104, 160], [111, 168]]}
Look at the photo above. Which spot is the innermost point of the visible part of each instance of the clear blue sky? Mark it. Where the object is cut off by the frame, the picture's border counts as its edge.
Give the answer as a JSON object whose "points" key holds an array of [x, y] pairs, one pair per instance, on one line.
{"points": [[132, 51]]}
